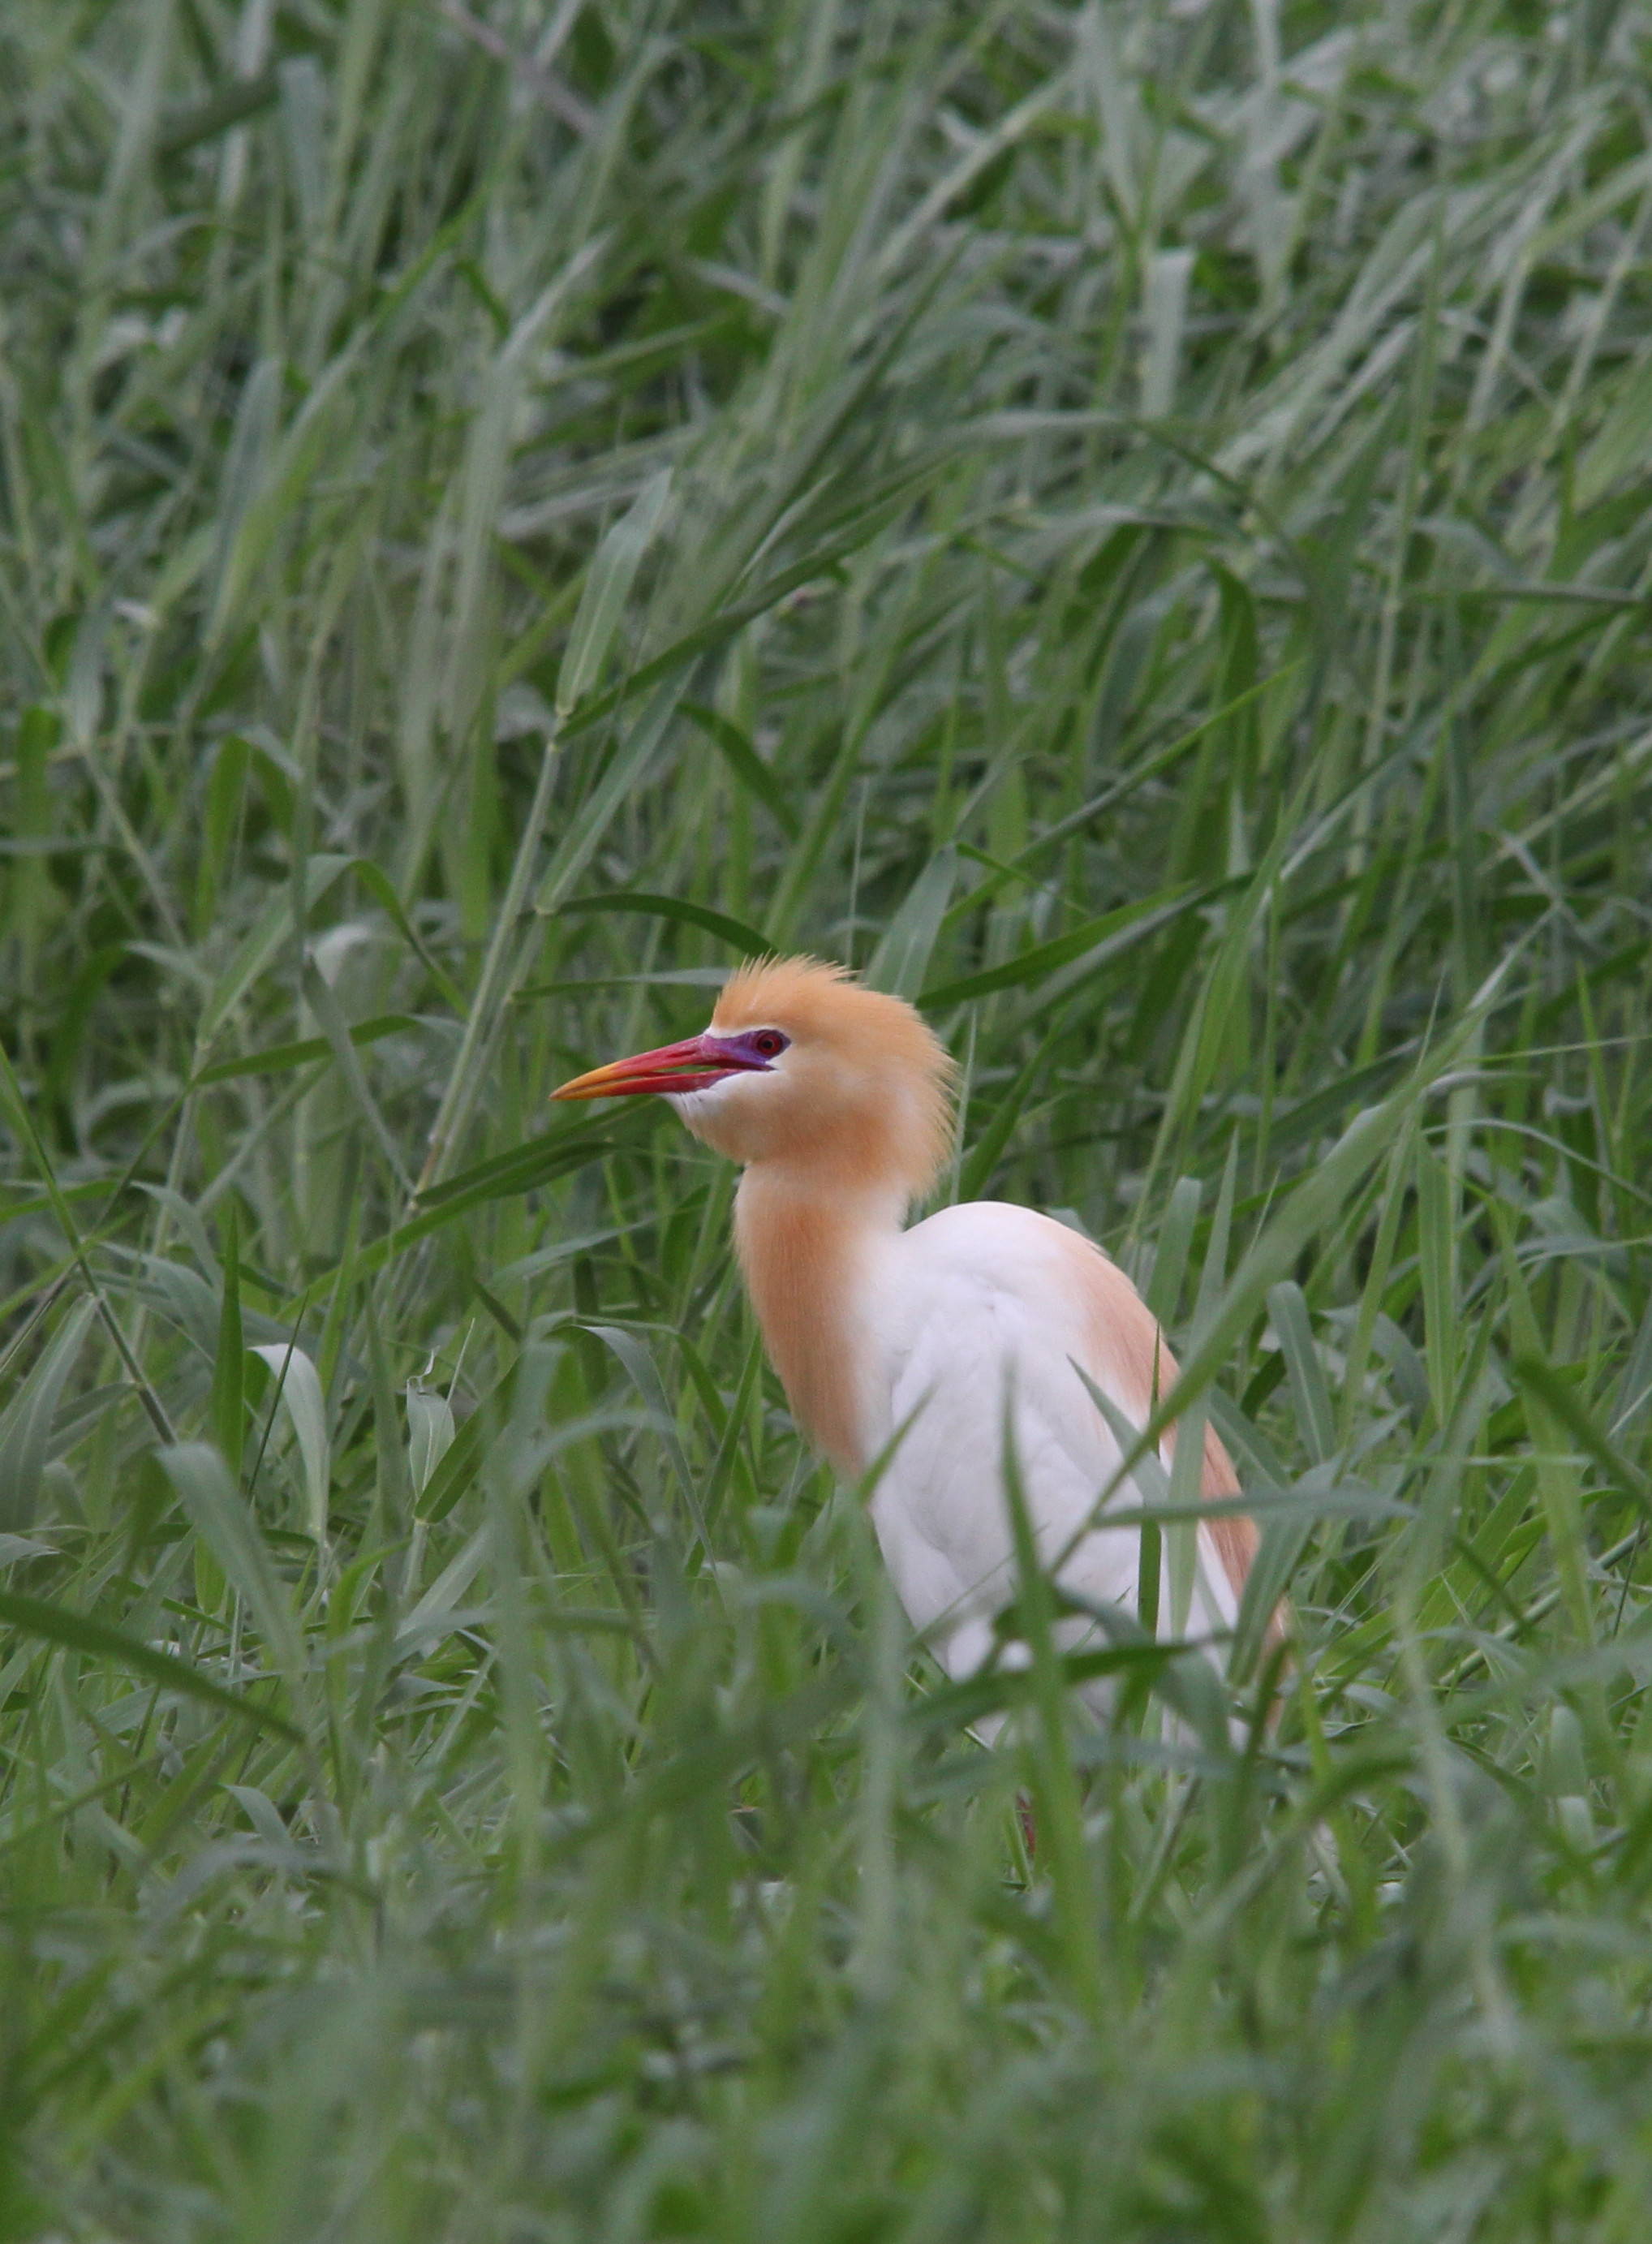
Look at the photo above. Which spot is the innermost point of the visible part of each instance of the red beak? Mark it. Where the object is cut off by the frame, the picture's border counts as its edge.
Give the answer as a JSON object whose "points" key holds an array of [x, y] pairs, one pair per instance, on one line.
{"points": [[694, 1065]]}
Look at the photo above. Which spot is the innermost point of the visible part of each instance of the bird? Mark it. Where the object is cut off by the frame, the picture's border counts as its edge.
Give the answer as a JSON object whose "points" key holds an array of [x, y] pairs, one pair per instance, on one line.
{"points": [[915, 1347]]}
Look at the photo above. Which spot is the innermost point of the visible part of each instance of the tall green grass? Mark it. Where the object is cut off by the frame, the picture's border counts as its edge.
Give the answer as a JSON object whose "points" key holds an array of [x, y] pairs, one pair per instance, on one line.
{"points": [[1128, 523]]}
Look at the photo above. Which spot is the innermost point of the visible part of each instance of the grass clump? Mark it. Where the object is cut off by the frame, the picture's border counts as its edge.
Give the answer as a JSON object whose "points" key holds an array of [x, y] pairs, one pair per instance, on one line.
{"points": [[1128, 524]]}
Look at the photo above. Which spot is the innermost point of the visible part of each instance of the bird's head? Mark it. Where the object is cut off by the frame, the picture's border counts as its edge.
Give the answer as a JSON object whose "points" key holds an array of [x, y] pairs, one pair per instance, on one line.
{"points": [[803, 1069]]}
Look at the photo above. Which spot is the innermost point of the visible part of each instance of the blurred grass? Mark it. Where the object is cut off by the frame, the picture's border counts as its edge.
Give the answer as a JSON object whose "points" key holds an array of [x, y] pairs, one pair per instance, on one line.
{"points": [[1131, 525]]}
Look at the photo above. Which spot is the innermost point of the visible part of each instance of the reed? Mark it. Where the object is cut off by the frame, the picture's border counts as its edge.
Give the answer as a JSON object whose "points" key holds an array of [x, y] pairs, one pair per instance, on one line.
{"points": [[1128, 524]]}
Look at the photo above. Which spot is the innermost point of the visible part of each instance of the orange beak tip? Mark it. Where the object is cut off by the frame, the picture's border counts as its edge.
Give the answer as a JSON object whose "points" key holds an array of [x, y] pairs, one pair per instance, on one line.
{"points": [[594, 1086], [690, 1065]]}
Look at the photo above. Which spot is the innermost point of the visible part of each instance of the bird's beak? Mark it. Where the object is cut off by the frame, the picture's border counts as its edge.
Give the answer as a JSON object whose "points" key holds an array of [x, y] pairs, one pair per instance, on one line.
{"points": [[694, 1065]]}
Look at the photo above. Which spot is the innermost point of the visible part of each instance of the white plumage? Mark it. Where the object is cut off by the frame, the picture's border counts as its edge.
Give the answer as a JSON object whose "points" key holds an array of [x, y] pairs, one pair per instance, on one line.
{"points": [[835, 1099], [979, 1311]]}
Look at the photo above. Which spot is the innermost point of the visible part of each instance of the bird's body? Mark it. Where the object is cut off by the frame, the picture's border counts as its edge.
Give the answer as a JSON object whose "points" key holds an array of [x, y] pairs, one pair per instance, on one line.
{"points": [[907, 1348], [985, 1308]]}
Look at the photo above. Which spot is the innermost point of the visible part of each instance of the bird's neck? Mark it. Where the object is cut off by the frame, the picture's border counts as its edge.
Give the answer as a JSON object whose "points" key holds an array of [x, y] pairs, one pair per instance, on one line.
{"points": [[807, 1253]]}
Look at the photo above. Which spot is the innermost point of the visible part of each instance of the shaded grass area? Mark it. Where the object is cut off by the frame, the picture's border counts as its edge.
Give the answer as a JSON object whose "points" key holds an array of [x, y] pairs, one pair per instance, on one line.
{"points": [[1129, 524]]}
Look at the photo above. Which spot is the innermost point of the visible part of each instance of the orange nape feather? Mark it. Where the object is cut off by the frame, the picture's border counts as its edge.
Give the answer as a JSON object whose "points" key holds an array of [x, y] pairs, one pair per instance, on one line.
{"points": [[862, 1102]]}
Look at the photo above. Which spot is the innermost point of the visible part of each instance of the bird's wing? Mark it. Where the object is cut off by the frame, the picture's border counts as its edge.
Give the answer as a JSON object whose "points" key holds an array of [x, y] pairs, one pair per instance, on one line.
{"points": [[979, 1321]]}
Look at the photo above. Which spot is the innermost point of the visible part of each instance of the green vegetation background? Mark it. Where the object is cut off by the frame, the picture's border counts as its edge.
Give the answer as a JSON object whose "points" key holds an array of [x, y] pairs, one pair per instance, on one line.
{"points": [[1129, 523]]}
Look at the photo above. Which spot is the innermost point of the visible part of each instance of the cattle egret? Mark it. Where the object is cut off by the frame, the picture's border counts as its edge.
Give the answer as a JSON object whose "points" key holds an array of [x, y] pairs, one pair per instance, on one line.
{"points": [[837, 1101]]}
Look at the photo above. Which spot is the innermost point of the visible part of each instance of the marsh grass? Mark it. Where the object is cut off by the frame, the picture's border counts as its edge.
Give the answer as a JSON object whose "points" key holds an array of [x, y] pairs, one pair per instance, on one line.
{"points": [[1129, 524]]}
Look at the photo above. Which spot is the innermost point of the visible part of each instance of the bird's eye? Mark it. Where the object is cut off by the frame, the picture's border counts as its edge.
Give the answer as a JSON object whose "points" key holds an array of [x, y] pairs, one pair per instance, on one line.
{"points": [[769, 1042]]}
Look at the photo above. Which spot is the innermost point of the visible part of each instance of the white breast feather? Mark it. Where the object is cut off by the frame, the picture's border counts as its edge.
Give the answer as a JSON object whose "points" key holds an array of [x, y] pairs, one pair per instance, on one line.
{"points": [[973, 1306]]}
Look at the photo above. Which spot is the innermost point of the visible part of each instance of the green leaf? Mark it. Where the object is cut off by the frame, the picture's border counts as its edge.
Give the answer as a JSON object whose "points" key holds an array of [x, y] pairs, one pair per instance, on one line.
{"points": [[1289, 1311], [1169, 1254], [219, 1515], [430, 1434], [76, 1632], [455, 1471], [380, 886], [744, 761], [300, 1386], [1541, 1379], [608, 586], [644, 1376], [319, 995], [1095, 942], [280, 1059], [263, 942], [1624, 443], [505, 1176], [227, 1415], [536, 1161], [26, 1427], [626, 771], [735, 932], [901, 959]]}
